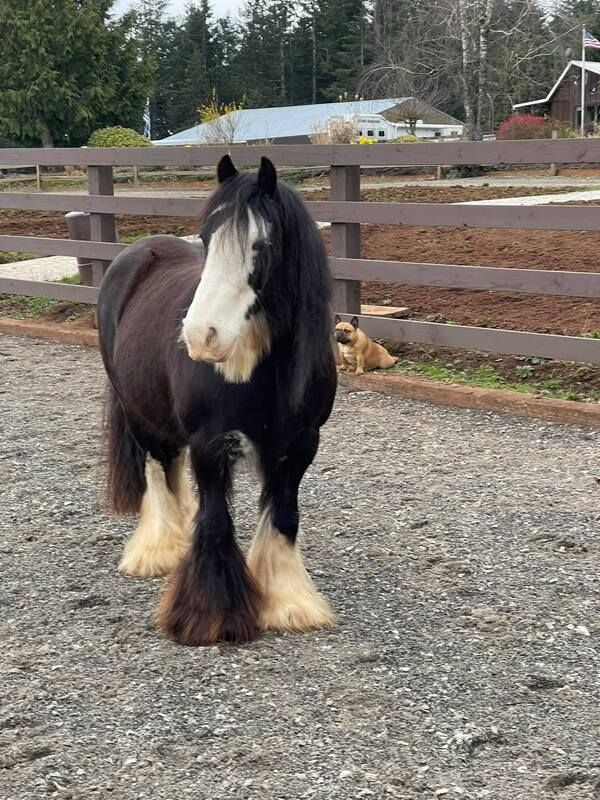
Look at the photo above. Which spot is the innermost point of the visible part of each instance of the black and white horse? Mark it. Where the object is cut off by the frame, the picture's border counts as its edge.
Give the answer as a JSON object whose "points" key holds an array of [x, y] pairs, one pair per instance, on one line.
{"points": [[226, 350]]}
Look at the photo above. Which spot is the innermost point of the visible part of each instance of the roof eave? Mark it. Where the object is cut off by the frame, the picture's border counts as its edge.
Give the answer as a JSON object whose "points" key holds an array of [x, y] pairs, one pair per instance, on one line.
{"points": [[553, 89]]}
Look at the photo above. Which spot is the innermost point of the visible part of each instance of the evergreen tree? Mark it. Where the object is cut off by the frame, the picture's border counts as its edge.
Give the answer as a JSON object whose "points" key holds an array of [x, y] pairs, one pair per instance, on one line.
{"points": [[67, 67], [342, 29], [263, 51], [192, 70], [155, 35], [228, 83]]}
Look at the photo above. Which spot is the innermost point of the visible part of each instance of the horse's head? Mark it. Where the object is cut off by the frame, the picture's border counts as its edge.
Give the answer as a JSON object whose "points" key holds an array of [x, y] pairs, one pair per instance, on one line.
{"points": [[225, 323]]}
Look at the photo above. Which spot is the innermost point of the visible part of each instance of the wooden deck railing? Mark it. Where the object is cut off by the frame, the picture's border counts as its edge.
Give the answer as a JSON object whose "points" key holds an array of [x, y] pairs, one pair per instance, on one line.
{"points": [[346, 213]]}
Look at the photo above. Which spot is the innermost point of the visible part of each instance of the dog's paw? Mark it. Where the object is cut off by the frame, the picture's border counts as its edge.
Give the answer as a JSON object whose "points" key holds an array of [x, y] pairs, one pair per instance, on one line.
{"points": [[359, 371], [342, 368]]}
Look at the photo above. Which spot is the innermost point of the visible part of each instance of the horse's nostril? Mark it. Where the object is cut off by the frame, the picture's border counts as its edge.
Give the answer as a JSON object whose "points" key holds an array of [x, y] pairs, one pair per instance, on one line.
{"points": [[212, 335]]}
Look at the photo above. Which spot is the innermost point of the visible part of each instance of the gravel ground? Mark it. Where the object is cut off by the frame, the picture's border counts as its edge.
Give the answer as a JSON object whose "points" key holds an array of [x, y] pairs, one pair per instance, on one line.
{"points": [[459, 550]]}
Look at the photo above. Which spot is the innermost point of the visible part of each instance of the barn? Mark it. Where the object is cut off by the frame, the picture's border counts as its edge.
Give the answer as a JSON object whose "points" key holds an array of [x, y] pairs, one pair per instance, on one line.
{"points": [[563, 101]]}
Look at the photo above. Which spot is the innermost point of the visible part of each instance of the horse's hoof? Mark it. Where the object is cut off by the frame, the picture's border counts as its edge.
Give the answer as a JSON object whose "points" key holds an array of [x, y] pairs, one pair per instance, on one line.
{"points": [[290, 600], [152, 562], [190, 616], [291, 617]]}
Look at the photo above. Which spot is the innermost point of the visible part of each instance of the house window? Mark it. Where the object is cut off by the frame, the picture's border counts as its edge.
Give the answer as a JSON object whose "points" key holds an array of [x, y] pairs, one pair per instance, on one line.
{"points": [[381, 134], [360, 133], [437, 134], [370, 133]]}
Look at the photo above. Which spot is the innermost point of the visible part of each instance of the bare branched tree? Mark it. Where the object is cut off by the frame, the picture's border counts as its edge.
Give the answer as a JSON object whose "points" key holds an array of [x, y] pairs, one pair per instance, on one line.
{"points": [[473, 53]]}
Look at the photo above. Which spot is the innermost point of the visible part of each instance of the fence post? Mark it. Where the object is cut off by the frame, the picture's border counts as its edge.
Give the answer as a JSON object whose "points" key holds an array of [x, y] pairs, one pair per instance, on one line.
{"points": [[439, 170], [554, 167], [102, 226], [345, 237], [38, 178], [78, 223]]}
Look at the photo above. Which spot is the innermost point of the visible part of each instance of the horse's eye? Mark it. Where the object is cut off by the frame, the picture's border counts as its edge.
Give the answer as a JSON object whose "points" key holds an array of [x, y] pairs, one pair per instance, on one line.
{"points": [[261, 246]]}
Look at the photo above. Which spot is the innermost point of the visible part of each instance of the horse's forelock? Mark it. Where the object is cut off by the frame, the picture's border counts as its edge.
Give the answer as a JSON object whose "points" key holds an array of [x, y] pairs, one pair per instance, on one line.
{"points": [[230, 204]]}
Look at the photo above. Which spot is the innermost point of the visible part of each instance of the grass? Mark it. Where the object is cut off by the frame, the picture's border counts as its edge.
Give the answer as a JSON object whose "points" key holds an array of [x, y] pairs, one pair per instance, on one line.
{"points": [[486, 377], [56, 183], [18, 306], [10, 257]]}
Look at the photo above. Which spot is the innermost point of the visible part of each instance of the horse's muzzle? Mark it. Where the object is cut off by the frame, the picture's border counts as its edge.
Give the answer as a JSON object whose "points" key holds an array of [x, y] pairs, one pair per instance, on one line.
{"points": [[213, 355]]}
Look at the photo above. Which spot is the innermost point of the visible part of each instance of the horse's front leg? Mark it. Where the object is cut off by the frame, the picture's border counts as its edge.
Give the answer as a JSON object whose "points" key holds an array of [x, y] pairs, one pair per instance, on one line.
{"points": [[290, 601], [211, 596]]}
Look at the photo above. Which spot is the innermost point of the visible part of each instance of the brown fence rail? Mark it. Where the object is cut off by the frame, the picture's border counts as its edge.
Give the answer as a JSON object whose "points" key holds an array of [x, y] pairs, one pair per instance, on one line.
{"points": [[346, 213]]}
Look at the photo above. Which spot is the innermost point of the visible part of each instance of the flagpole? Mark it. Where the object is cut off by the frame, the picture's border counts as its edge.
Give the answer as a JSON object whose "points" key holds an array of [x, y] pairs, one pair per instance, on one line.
{"points": [[582, 82]]}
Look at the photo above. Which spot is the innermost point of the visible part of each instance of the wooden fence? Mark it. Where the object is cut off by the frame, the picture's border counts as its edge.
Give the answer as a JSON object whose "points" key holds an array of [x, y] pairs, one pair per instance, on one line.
{"points": [[346, 213]]}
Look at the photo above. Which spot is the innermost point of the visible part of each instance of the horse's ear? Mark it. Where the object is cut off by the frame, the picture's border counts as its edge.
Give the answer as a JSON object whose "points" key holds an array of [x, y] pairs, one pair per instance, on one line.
{"points": [[354, 322], [338, 319], [226, 169], [267, 177]]}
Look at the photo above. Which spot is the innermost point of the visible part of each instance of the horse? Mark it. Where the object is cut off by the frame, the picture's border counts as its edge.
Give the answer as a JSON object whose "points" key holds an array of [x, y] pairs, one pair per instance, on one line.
{"points": [[220, 348]]}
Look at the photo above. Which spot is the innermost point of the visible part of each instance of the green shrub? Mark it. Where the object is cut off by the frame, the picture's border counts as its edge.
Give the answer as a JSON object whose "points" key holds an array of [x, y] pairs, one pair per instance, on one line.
{"points": [[117, 137], [564, 130], [408, 138]]}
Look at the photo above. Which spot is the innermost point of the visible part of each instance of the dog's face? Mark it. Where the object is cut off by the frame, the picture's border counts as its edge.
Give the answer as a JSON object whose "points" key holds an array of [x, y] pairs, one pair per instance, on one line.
{"points": [[345, 332]]}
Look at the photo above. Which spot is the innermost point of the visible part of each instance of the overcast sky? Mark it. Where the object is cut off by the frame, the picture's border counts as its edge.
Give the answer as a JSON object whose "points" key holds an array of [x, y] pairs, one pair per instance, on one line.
{"points": [[219, 7]]}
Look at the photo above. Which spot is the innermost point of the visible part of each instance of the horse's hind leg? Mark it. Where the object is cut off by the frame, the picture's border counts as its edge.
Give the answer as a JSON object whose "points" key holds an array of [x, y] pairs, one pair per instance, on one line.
{"points": [[211, 596], [163, 535], [290, 600]]}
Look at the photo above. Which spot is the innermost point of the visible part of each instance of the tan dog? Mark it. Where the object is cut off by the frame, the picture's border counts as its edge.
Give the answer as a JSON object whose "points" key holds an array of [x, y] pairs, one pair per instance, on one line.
{"points": [[356, 349]]}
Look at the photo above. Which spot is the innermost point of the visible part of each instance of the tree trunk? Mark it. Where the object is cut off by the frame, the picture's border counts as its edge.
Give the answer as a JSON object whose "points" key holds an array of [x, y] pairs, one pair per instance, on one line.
{"points": [[467, 68], [45, 136], [485, 20], [314, 58], [282, 63]]}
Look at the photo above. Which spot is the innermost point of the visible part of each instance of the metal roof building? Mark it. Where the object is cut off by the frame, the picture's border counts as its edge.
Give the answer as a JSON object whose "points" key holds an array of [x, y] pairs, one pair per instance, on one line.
{"points": [[289, 124]]}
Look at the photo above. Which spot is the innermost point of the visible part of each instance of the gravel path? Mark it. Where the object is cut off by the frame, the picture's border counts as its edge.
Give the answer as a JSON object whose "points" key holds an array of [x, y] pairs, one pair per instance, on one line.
{"points": [[459, 550]]}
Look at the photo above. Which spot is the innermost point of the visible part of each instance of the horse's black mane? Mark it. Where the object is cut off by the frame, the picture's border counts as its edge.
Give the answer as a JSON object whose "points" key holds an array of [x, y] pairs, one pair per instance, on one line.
{"points": [[297, 291]]}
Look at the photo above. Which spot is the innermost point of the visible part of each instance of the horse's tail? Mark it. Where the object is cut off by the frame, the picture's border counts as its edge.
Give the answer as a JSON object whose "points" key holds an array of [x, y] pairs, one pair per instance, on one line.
{"points": [[126, 459]]}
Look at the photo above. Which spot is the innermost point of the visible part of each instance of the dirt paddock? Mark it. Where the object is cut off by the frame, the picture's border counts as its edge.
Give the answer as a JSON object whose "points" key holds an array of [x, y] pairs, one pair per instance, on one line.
{"points": [[560, 250], [458, 549]]}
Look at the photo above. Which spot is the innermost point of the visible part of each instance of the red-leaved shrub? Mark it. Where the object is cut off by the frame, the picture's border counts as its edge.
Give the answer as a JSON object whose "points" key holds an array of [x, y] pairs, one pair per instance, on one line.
{"points": [[523, 126]]}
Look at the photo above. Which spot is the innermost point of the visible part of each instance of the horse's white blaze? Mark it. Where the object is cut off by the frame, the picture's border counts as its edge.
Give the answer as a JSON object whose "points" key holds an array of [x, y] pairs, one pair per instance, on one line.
{"points": [[163, 534], [290, 600], [216, 323]]}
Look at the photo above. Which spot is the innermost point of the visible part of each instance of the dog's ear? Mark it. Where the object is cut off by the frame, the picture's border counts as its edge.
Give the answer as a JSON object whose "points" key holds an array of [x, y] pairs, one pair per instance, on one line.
{"points": [[337, 320], [226, 169], [354, 322], [267, 177]]}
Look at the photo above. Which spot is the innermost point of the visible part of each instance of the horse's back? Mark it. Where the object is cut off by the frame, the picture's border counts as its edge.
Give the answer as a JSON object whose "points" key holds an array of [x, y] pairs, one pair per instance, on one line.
{"points": [[141, 268]]}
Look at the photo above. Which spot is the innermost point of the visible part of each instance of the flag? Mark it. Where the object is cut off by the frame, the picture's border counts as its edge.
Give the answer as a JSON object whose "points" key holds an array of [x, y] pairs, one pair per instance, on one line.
{"points": [[147, 127], [590, 41]]}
